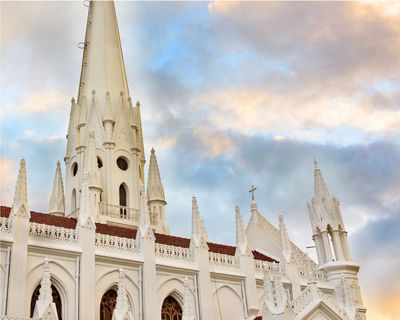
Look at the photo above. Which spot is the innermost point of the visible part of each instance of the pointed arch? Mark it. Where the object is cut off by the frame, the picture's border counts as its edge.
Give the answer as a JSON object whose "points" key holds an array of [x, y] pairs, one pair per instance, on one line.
{"points": [[56, 299], [123, 198], [108, 303], [171, 309]]}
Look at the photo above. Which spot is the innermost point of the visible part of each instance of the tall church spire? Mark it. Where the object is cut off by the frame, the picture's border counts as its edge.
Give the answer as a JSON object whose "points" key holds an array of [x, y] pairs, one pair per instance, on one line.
{"points": [[103, 66], [114, 160], [56, 204]]}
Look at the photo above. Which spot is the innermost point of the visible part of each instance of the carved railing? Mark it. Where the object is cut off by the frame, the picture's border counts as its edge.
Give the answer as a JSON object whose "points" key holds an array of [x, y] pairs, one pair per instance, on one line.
{"points": [[5, 225], [223, 260], [266, 266], [119, 212], [59, 234], [319, 275], [114, 243], [173, 253], [302, 301], [331, 304]]}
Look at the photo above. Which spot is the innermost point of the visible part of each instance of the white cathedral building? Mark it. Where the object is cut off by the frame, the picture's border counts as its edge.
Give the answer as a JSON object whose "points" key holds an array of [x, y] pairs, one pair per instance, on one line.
{"points": [[103, 250]]}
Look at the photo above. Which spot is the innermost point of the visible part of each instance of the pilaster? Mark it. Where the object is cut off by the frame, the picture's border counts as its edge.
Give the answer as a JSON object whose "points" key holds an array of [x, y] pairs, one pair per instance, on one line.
{"points": [[19, 216]]}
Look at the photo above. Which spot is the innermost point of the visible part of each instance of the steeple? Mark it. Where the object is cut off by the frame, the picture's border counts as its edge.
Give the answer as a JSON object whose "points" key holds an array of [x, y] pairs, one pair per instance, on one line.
{"points": [[103, 66], [56, 204], [20, 206], [327, 223], [105, 137]]}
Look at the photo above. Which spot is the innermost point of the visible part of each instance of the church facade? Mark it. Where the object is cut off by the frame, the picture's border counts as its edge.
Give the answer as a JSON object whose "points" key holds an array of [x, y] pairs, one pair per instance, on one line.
{"points": [[103, 249]]}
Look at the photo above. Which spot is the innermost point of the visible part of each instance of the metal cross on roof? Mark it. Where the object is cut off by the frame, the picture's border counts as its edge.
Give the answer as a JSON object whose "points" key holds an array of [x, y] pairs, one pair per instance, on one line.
{"points": [[252, 190]]}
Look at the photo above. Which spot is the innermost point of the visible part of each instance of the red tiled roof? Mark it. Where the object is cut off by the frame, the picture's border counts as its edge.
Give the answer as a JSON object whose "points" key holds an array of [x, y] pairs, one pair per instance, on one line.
{"points": [[116, 231], [221, 248], [70, 223], [172, 240], [259, 256], [49, 219]]}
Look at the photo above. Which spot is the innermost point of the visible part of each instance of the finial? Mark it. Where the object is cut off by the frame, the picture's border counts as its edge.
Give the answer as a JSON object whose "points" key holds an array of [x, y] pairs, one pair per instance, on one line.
{"points": [[194, 201], [58, 163], [137, 103], [280, 218], [129, 99], [23, 162], [72, 100], [237, 210], [153, 151], [316, 166]]}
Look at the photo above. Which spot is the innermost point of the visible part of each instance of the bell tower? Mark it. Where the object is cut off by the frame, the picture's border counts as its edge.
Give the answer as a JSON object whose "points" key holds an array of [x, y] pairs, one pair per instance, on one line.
{"points": [[330, 237], [105, 126]]}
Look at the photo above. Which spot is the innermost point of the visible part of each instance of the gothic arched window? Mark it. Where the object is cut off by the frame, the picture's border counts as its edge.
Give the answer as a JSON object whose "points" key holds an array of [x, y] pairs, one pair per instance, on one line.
{"points": [[123, 199], [171, 310], [56, 300], [107, 305]]}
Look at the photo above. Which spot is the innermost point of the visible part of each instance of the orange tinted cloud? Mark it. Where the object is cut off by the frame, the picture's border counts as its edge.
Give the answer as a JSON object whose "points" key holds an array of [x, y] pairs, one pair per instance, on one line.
{"points": [[383, 306]]}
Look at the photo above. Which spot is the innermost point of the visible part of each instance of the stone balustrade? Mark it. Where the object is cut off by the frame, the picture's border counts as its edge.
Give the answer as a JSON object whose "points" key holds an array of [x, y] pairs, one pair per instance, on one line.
{"points": [[173, 253], [302, 301], [5, 225], [223, 260], [319, 275], [119, 212], [332, 304], [115, 243], [48, 232]]}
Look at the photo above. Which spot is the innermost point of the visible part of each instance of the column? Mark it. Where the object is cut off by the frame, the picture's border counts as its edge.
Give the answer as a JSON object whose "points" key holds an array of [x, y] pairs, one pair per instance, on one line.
{"points": [[337, 245], [327, 247]]}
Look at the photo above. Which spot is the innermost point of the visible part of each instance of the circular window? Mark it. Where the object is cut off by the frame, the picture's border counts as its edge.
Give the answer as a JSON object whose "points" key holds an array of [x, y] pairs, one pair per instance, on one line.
{"points": [[74, 169], [99, 163], [122, 163]]}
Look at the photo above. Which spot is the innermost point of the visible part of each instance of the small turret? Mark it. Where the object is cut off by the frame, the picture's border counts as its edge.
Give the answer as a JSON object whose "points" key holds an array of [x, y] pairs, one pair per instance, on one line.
{"points": [[199, 232], [155, 195], [241, 236], [56, 204], [20, 206]]}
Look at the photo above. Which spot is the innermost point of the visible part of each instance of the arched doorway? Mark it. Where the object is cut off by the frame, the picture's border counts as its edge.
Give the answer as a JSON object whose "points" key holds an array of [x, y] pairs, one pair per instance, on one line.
{"points": [[171, 310], [123, 200], [107, 305], [56, 300]]}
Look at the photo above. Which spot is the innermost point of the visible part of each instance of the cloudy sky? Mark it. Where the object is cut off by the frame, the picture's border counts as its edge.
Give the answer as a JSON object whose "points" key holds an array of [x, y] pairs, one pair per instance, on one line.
{"points": [[232, 94]]}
